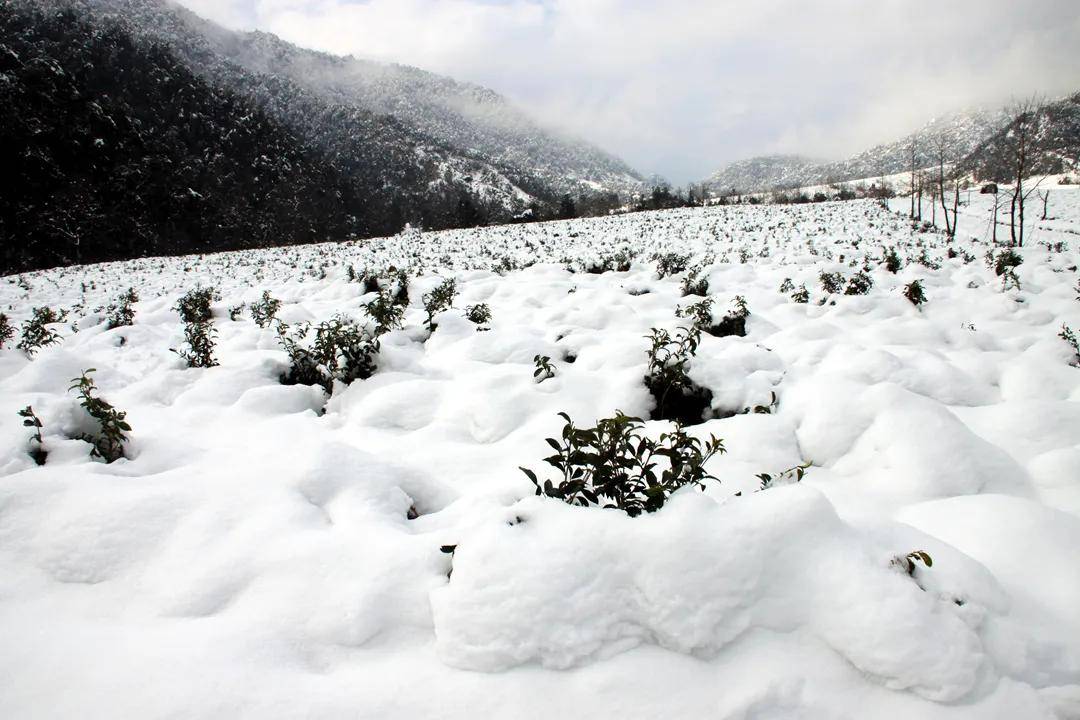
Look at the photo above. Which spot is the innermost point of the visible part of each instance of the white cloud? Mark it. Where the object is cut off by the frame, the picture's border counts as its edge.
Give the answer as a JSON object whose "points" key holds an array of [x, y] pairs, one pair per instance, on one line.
{"points": [[681, 87]]}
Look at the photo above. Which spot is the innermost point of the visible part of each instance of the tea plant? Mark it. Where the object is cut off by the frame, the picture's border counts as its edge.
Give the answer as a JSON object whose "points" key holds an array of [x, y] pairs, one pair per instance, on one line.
{"points": [[859, 284], [695, 284], [1068, 335], [616, 466], [831, 283], [670, 263], [913, 291], [264, 310], [201, 340], [478, 314], [121, 313], [801, 296], [31, 420], [676, 395], [7, 330], [544, 368], [439, 299], [108, 444], [700, 312], [1009, 280], [786, 286], [386, 313], [892, 261], [340, 350], [907, 563], [236, 311], [1006, 260], [194, 305], [786, 477], [734, 322], [36, 333]]}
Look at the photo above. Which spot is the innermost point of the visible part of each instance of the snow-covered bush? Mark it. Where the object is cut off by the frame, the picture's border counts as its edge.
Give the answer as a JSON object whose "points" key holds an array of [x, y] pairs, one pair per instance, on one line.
{"points": [[670, 263], [913, 291], [1068, 335], [892, 260], [676, 395], [859, 284], [200, 338], [544, 368], [386, 313], [108, 442], [194, 305], [36, 332], [801, 296], [7, 331], [695, 284], [479, 314], [264, 310], [121, 313], [616, 466], [31, 420], [439, 299], [831, 283], [340, 350], [1005, 260]]}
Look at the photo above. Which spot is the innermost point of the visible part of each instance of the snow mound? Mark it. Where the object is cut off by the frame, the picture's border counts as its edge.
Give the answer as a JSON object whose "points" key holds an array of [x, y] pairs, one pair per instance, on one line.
{"points": [[562, 585]]}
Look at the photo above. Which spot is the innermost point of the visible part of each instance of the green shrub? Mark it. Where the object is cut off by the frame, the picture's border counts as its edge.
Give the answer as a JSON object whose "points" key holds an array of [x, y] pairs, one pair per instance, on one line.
{"points": [[694, 284], [670, 263], [265, 309], [108, 443], [859, 284], [615, 466], [340, 350], [544, 368], [1068, 335], [7, 331], [892, 261], [386, 313], [194, 305], [913, 291], [479, 314], [676, 395], [201, 340], [801, 296], [31, 420], [1006, 259], [36, 333], [786, 286], [831, 283], [121, 313], [439, 299]]}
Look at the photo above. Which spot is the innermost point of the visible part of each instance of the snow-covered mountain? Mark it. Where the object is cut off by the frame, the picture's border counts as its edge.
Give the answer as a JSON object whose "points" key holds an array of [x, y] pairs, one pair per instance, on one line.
{"points": [[158, 153], [962, 134]]}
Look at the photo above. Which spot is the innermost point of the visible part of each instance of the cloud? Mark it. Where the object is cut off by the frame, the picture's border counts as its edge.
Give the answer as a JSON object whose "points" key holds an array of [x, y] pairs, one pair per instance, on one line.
{"points": [[682, 87]]}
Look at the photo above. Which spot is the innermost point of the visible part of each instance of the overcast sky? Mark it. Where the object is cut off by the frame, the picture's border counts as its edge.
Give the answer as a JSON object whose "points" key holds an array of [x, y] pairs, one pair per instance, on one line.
{"points": [[680, 87]]}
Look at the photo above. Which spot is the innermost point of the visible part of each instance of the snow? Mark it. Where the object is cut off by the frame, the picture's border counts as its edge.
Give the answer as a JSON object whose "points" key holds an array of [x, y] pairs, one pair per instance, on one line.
{"points": [[268, 551]]}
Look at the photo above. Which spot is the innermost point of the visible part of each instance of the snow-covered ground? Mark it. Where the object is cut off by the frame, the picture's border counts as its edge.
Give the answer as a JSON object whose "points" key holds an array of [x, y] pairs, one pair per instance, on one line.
{"points": [[267, 552]]}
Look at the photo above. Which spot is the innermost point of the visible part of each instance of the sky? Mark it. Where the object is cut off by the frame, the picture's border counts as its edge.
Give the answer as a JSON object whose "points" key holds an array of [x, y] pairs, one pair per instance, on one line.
{"points": [[682, 87]]}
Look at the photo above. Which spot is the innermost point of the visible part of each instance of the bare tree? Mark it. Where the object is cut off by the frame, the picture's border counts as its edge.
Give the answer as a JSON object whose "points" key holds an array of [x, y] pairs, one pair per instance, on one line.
{"points": [[912, 149], [941, 145], [1025, 147]]}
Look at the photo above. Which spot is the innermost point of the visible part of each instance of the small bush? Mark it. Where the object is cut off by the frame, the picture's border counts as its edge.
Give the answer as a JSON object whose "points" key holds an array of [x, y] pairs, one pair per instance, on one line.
{"points": [[544, 368], [786, 286], [700, 312], [1005, 260], [386, 313], [31, 420], [695, 284], [236, 312], [340, 350], [801, 296], [479, 314], [121, 313], [670, 263], [859, 284], [615, 466], [785, 477], [892, 261], [194, 305], [913, 291], [907, 563], [831, 283], [201, 339], [36, 333], [439, 299], [677, 397], [1068, 335], [734, 323], [7, 330], [108, 444], [264, 310]]}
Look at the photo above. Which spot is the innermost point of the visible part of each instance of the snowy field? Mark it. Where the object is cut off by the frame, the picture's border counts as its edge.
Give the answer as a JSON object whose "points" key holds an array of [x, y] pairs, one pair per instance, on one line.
{"points": [[269, 550]]}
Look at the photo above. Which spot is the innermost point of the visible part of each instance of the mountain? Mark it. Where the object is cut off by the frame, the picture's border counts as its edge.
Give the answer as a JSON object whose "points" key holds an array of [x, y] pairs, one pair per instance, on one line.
{"points": [[133, 127], [962, 134], [767, 171], [1056, 127]]}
